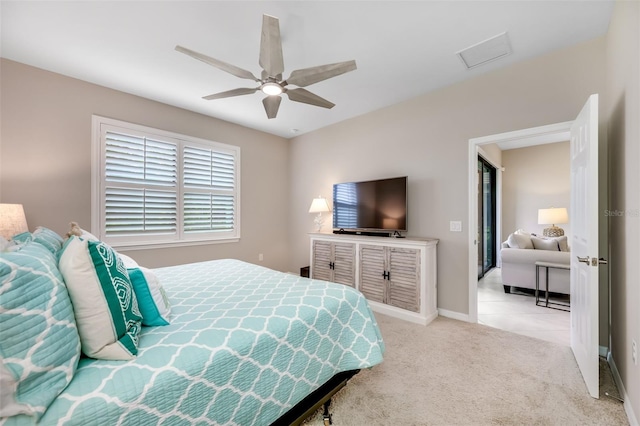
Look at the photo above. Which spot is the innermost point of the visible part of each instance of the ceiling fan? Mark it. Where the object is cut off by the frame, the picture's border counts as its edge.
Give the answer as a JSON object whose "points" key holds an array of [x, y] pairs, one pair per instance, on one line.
{"points": [[271, 82]]}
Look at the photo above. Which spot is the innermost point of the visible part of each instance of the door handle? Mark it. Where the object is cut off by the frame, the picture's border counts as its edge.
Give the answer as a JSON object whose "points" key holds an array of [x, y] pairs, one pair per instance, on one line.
{"points": [[593, 261], [584, 259]]}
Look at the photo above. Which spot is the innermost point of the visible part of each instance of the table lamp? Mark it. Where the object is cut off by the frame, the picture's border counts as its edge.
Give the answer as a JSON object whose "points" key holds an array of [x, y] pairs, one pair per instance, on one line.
{"points": [[551, 217], [12, 220], [319, 205]]}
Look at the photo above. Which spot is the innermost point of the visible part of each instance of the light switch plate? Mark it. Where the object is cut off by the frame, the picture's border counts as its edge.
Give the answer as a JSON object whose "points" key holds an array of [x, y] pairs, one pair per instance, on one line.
{"points": [[455, 226]]}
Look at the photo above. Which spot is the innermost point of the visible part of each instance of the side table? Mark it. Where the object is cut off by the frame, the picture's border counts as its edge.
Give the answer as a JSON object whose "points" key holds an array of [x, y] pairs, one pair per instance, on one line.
{"points": [[304, 271], [547, 266]]}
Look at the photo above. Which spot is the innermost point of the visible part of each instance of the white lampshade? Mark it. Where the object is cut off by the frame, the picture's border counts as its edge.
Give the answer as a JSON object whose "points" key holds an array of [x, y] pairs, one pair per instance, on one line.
{"points": [[552, 216], [319, 205], [12, 220]]}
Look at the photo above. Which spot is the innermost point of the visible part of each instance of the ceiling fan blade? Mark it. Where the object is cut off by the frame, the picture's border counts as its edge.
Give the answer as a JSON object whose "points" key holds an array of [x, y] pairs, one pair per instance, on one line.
{"points": [[271, 47], [231, 69], [230, 93], [308, 76], [271, 105], [306, 97]]}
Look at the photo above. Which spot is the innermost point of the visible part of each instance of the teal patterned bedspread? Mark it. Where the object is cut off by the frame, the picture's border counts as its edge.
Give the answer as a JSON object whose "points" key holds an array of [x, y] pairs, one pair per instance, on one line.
{"points": [[245, 344]]}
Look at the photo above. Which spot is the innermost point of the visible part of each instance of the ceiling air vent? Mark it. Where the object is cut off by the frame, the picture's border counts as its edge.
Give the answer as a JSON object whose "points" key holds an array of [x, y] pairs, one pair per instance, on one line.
{"points": [[486, 51]]}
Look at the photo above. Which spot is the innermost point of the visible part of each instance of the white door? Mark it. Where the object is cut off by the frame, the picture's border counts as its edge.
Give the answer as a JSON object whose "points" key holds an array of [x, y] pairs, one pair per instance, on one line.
{"points": [[584, 244]]}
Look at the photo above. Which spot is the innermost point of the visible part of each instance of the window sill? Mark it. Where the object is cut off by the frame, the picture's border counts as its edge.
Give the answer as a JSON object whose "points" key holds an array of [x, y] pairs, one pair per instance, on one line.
{"points": [[171, 244]]}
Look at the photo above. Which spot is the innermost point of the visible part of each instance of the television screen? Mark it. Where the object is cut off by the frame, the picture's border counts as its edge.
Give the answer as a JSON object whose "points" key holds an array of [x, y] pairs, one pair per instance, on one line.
{"points": [[375, 205]]}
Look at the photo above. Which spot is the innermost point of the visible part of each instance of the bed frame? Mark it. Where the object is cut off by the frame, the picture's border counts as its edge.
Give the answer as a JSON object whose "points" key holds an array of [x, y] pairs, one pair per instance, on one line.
{"points": [[321, 396]]}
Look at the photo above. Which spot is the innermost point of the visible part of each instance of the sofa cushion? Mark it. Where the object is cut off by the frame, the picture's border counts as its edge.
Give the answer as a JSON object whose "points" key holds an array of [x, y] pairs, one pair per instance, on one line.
{"points": [[40, 347], [545, 244], [520, 241], [563, 242], [550, 243]]}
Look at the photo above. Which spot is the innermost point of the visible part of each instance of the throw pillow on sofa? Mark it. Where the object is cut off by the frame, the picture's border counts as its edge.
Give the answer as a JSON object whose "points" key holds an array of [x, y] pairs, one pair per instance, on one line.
{"points": [[40, 347], [550, 243], [519, 241], [103, 299]]}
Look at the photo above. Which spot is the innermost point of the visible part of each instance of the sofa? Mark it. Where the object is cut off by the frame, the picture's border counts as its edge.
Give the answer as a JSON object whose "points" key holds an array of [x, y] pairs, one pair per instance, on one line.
{"points": [[519, 255]]}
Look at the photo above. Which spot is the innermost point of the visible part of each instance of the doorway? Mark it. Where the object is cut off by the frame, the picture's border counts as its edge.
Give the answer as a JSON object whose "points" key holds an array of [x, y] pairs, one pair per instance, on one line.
{"points": [[487, 206], [539, 135]]}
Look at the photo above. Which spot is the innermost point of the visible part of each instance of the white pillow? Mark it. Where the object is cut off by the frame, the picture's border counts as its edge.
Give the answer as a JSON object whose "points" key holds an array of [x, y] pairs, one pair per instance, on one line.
{"points": [[522, 232], [563, 242], [519, 241], [103, 298], [128, 261], [550, 244]]}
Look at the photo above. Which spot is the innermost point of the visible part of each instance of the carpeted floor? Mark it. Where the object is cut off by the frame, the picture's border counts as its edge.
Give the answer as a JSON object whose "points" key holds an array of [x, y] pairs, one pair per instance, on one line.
{"points": [[456, 373]]}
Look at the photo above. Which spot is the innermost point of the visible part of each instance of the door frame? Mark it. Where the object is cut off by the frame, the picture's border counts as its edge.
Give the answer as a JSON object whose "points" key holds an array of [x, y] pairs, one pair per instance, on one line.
{"points": [[535, 136]]}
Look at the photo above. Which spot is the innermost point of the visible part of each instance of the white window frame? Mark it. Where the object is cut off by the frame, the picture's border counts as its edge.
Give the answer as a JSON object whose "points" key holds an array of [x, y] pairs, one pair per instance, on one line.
{"points": [[100, 126]]}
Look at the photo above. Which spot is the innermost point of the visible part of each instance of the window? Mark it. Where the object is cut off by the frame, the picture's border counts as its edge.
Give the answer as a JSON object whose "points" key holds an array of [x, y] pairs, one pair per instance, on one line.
{"points": [[154, 188]]}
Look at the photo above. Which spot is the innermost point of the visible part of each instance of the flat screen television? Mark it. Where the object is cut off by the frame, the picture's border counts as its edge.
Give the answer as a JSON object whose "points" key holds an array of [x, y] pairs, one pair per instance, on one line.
{"points": [[374, 205]]}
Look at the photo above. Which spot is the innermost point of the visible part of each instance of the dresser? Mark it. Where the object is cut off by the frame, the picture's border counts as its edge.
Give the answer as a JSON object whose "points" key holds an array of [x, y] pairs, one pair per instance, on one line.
{"points": [[398, 276]]}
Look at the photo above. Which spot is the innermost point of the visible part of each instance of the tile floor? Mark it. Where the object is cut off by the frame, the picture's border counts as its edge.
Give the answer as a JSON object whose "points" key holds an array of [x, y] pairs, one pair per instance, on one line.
{"points": [[517, 312]]}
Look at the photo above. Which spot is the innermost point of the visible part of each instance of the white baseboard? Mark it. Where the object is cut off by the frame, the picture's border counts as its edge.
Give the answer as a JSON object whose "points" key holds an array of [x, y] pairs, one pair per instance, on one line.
{"points": [[633, 420], [603, 351], [403, 314], [453, 315]]}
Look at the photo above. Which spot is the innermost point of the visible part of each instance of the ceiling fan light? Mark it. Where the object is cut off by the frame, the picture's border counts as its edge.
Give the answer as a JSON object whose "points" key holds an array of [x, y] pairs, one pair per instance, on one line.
{"points": [[271, 89]]}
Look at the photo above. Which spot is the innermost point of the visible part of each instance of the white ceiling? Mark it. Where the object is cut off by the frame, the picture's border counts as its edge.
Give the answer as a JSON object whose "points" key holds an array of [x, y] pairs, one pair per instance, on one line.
{"points": [[402, 48]]}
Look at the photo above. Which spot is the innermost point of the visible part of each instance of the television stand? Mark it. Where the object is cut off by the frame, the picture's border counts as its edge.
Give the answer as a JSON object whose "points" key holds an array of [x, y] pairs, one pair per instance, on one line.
{"points": [[398, 276]]}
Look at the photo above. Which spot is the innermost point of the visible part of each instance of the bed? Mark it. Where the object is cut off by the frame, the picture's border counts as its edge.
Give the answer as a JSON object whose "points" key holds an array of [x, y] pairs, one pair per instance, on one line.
{"points": [[246, 346]]}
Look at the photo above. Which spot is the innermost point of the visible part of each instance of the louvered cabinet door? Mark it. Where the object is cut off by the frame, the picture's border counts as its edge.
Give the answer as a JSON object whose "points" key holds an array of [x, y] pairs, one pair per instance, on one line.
{"points": [[320, 269], [372, 262], [344, 260], [404, 278]]}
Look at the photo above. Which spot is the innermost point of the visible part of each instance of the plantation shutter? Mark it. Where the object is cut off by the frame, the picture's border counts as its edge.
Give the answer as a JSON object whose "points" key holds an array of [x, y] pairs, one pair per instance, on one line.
{"points": [[209, 190], [154, 188], [141, 177]]}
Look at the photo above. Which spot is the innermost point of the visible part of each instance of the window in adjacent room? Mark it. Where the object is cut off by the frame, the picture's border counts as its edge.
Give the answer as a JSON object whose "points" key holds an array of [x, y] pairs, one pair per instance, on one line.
{"points": [[152, 187]]}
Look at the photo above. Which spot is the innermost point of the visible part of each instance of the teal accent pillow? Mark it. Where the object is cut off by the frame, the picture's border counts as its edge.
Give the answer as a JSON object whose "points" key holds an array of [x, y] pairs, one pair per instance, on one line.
{"points": [[48, 238], [23, 237], [105, 304], [152, 299], [39, 347]]}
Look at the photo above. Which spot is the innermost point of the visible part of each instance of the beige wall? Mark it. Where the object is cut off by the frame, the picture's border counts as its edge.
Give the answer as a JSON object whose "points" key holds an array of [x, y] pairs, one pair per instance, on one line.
{"points": [[535, 177], [622, 109], [45, 162], [492, 153], [427, 139]]}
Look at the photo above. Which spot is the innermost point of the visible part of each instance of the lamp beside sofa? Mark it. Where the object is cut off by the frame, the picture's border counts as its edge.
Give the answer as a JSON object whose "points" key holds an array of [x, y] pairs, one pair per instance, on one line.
{"points": [[519, 255]]}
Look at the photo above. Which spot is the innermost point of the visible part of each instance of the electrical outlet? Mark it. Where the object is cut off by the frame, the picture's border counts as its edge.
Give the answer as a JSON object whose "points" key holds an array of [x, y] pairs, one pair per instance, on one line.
{"points": [[455, 226], [634, 352], [260, 257]]}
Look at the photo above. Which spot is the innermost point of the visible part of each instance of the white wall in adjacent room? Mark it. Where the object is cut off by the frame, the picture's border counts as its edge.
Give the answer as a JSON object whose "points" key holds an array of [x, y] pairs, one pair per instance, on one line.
{"points": [[535, 177]]}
